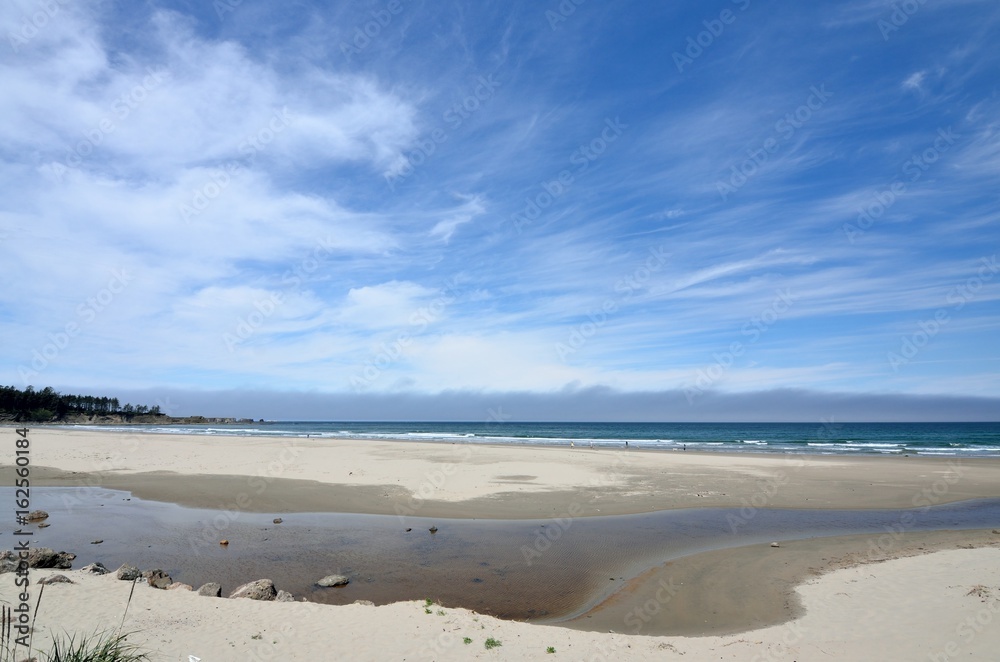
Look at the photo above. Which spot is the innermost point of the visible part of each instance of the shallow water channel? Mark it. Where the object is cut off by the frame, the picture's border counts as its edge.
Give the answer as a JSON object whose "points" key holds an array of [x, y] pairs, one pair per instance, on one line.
{"points": [[517, 569]]}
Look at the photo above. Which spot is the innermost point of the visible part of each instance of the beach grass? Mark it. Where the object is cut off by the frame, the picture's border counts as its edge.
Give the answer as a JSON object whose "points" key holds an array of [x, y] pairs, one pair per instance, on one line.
{"points": [[109, 646]]}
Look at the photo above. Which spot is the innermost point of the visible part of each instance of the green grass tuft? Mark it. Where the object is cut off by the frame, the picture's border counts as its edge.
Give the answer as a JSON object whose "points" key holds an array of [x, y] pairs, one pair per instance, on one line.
{"points": [[492, 643], [98, 648]]}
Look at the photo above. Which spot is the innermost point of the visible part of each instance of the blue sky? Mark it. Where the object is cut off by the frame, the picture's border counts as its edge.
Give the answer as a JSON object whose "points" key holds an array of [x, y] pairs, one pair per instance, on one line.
{"points": [[419, 198]]}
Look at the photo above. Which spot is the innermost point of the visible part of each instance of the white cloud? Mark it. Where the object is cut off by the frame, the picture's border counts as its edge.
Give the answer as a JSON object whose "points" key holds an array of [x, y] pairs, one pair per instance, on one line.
{"points": [[915, 81]]}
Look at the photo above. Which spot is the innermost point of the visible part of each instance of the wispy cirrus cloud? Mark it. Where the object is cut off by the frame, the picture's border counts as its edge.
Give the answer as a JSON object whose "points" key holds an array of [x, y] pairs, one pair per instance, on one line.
{"points": [[227, 162]]}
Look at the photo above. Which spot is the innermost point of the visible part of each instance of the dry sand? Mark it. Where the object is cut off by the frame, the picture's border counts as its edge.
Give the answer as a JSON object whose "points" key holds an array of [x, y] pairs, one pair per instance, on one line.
{"points": [[902, 609], [945, 604]]}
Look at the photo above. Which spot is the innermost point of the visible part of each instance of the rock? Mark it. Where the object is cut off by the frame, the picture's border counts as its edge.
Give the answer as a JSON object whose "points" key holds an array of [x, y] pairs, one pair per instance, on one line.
{"points": [[96, 542], [774, 544], [37, 515], [211, 590], [95, 569], [367, 603], [408, 530], [55, 579], [224, 543], [996, 531], [44, 525], [333, 580], [128, 573], [262, 589], [284, 596], [157, 578], [278, 520], [8, 561], [178, 586], [433, 529], [44, 557]]}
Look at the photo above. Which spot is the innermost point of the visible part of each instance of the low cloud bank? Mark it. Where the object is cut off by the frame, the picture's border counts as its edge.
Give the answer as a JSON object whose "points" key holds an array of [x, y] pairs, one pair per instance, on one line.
{"points": [[585, 405]]}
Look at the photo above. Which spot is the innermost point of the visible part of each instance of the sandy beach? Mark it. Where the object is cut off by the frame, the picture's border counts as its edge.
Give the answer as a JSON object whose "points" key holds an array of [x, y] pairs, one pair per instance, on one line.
{"points": [[944, 604], [801, 601], [479, 481]]}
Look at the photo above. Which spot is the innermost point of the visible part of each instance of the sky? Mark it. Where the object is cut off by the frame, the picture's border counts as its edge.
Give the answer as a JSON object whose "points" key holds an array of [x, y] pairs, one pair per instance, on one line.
{"points": [[733, 206]]}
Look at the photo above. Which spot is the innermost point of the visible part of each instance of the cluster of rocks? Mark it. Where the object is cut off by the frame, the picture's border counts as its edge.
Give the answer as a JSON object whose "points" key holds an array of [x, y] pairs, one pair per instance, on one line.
{"points": [[261, 589], [38, 557]]}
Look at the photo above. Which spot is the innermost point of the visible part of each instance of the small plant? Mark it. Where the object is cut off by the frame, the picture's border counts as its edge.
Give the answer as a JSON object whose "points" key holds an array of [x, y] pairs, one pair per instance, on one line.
{"points": [[428, 602], [440, 612], [466, 640], [257, 636], [99, 648], [550, 649], [492, 643], [427, 610]]}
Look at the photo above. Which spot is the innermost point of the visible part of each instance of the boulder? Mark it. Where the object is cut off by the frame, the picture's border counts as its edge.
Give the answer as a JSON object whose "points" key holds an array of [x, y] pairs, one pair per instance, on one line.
{"points": [[45, 557], [8, 561], [128, 573], [55, 579], [157, 578], [284, 596], [95, 569], [178, 586], [333, 580], [211, 589], [262, 589]]}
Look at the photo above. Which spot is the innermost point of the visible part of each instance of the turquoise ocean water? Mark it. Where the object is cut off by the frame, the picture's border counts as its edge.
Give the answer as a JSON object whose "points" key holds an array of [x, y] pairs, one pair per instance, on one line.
{"points": [[943, 439]]}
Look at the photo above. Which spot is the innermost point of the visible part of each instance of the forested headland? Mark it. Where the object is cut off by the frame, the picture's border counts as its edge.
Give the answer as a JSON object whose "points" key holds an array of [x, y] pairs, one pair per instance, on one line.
{"points": [[50, 406]]}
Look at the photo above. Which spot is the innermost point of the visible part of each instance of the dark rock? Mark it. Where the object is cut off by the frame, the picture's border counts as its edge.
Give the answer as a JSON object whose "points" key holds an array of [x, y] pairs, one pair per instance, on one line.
{"points": [[128, 573], [262, 589], [333, 580], [37, 515], [278, 520], [44, 557], [211, 590], [96, 542], [433, 529], [44, 525], [56, 579], [95, 569], [284, 596], [157, 578], [8, 561]]}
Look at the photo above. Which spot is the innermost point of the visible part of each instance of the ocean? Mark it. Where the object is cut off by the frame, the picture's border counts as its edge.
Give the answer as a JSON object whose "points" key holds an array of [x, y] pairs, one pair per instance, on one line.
{"points": [[944, 439]]}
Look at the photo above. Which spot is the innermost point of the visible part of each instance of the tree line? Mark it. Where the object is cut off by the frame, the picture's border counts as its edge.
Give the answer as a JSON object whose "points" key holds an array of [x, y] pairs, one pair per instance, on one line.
{"points": [[50, 405]]}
